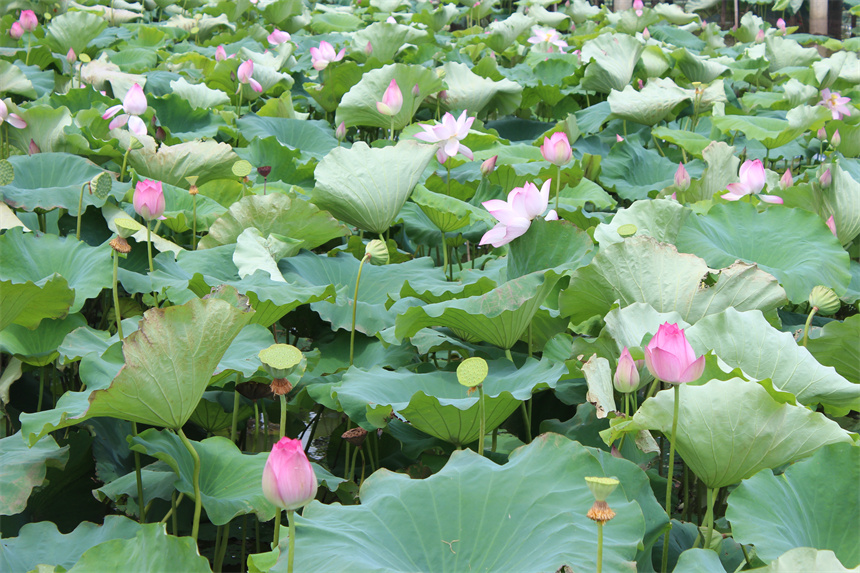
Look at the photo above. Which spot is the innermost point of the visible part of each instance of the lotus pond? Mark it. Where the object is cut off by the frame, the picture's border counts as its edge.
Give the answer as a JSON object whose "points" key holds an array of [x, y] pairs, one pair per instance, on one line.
{"points": [[412, 286]]}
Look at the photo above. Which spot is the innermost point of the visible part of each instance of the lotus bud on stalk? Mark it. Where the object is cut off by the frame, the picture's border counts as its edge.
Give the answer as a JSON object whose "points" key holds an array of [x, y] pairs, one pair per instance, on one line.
{"points": [[759, 37], [638, 6], [821, 134], [71, 57], [392, 100], [786, 180], [824, 301], [835, 140], [28, 20], [220, 53], [340, 132], [488, 166], [556, 150], [368, 49], [646, 34], [16, 31], [682, 178], [780, 24], [825, 178]]}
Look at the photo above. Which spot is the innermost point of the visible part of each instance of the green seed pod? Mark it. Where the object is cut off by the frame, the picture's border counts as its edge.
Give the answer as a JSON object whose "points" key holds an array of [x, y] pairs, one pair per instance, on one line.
{"points": [[825, 299], [101, 185], [472, 371], [281, 360], [378, 252], [126, 227], [7, 172], [601, 487]]}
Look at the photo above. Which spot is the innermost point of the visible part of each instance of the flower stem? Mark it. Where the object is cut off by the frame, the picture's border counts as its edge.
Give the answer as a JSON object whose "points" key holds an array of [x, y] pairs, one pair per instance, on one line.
{"points": [[448, 179], [808, 324], [149, 247], [283, 425], [444, 255], [276, 537], [291, 544], [526, 421], [198, 502], [483, 429], [709, 516], [354, 308], [137, 474], [557, 184], [116, 294], [80, 208], [233, 426], [194, 221], [670, 473], [599, 547], [124, 162]]}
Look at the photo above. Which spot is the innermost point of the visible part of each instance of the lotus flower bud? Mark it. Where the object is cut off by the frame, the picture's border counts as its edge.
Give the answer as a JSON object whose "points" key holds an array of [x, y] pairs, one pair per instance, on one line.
{"points": [[489, 166], [377, 251], [825, 178], [16, 31], [831, 224], [33, 149], [682, 178], [392, 100], [556, 149], [836, 139], [28, 20], [71, 56], [626, 374], [220, 54], [149, 199], [416, 91], [670, 357], [340, 132], [641, 84], [646, 34], [618, 138], [786, 180], [825, 299], [780, 23], [759, 37], [368, 49], [289, 481], [822, 134]]}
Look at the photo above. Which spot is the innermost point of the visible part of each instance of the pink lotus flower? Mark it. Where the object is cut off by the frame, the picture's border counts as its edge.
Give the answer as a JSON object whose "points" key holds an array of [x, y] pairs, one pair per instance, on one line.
{"points": [[448, 135], [547, 36], [28, 20], [289, 481], [556, 149], [837, 104], [392, 100], [324, 55], [368, 49], [134, 105], [33, 149], [786, 180], [626, 374], [13, 119], [416, 90], [278, 37], [246, 69], [16, 31], [515, 215], [836, 139], [780, 23], [670, 358], [148, 199], [221, 54], [488, 166], [646, 34], [759, 37], [825, 178], [340, 132], [752, 182], [831, 224], [71, 56], [682, 178], [618, 138], [638, 5]]}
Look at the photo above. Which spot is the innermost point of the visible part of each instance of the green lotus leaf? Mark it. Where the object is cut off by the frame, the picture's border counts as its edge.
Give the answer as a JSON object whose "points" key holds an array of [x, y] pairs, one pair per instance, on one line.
{"points": [[28, 257], [440, 291], [184, 121], [698, 68], [314, 138], [257, 253], [658, 218], [386, 39], [611, 60], [478, 95], [328, 22], [28, 303], [46, 126], [722, 165], [358, 106], [157, 479], [726, 441], [557, 245], [784, 53], [745, 340], [690, 141], [338, 81], [14, 81], [199, 96], [770, 131], [813, 504], [699, 560], [433, 403], [447, 213], [39, 347], [280, 12], [842, 200], [23, 468], [450, 523], [806, 559], [367, 187], [633, 171], [835, 346], [650, 105], [503, 33], [791, 244], [42, 543], [286, 164], [640, 269]]}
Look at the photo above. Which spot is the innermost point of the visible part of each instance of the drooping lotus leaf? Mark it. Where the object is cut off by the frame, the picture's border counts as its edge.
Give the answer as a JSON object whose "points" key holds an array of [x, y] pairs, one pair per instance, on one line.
{"points": [[38, 347], [745, 340], [633, 171], [478, 95], [528, 515], [28, 303], [835, 346], [32, 257], [690, 141], [198, 96], [23, 468], [503, 33], [558, 245], [14, 80], [806, 559], [725, 441], [842, 201], [770, 131], [499, 317], [366, 187], [611, 59], [157, 479], [74, 30], [315, 138], [41, 543], [650, 105], [358, 106], [447, 213], [50, 180], [722, 165], [698, 560], [813, 504], [386, 39], [241, 356], [436, 403], [784, 53], [640, 269], [790, 244], [658, 218], [279, 213], [255, 252], [697, 68]]}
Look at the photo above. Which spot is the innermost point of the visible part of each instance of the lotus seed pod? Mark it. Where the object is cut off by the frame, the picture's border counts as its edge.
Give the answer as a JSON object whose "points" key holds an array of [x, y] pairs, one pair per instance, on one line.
{"points": [[242, 168], [601, 487], [281, 360], [472, 371], [825, 299], [101, 185], [378, 252], [7, 172], [126, 227]]}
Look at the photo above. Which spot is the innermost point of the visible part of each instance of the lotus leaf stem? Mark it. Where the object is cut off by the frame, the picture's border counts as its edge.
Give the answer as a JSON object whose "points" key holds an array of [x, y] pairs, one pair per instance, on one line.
{"points": [[526, 422], [283, 425], [808, 324], [235, 422], [174, 504], [124, 162], [198, 501], [276, 536], [444, 255], [557, 184], [194, 220], [709, 516], [291, 544], [256, 426], [221, 549], [137, 474], [354, 308], [483, 428], [116, 308], [80, 208], [669, 475]]}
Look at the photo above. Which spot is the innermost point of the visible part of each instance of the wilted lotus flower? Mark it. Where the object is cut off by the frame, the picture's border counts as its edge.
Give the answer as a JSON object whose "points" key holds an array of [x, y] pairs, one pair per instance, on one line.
{"points": [[670, 358], [682, 178], [28, 20], [13, 119], [489, 165], [556, 149], [149, 199], [289, 481], [548, 36], [246, 69], [780, 23], [278, 37], [392, 100], [16, 31], [515, 215], [324, 55], [786, 180], [448, 135], [752, 182], [837, 104], [134, 104], [639, 6]]}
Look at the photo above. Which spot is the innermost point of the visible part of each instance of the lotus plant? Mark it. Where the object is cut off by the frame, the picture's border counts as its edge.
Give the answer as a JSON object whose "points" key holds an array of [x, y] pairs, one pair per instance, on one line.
{"points": [[149, 203], [752, 180], [626, 379], [278, 37], [556, 150], [448, 135], [27, 22], [392, 102], [516, 214]]}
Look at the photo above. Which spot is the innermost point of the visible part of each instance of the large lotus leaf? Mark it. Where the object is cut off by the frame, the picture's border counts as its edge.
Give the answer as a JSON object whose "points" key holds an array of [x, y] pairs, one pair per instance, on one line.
{"points": [[640, 269], [446, 212], [377, 284], [658, 218], [612, 58], [815, 504], [527, 515], [558, 245], [698, 68], [14, 81], [257, 253], [836, 346], [338, 81], [367, 187], [745, 340], [806, 559], [633, 171], [690, 141], [31, 257], [198, 96], [386, 39], [698, 560], [279, 213], [184, 121], [499, 317], [790, 244], [42, 543], [39, 347], [842, 201], [28, 303], [468, 91], [74, 30], [722, 165], [650, 105], [46, 128], [151, 550], [786, 53], [770, 131], [23, 468], [724, 441], [436, 403], [50, 180], [469, 285], [358, 106], [315, 138], [502, 33]]}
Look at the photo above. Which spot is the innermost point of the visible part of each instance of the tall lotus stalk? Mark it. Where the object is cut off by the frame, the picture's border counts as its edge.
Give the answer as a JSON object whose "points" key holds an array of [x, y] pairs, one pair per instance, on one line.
{"points": [[556, 150], [471, 373], [198, 501], [600, 512], [376, 251], [193, 191]]}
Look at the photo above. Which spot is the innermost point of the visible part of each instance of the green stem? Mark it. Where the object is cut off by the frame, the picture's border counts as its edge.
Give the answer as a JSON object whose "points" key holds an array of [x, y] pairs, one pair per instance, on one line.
{"points": [[283, 425], [173, 505], [256, 426], [391, 135], [124, 162], [709, 516], [244, 538], [670, 473], [526, 422], [557, 184], [508, 354], [137, 474], [194, 222], [174, 502], [599, 547], [448, 179], [291, 544], [149, 247], [198, 501], [80, 209], [235, 423], [41, 388], [483, 428], [116, 308], [222, 546], [657, 143], [354, 308], [276, 537], [351, 473], [495, 440], [807, 325], [444, 255]]}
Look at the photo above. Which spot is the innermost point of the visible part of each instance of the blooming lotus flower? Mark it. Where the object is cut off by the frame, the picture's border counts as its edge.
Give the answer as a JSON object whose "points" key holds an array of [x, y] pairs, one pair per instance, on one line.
{"points": [[626, 374], [278, 37], [289, 481], [556, 149], [780, 23], [448, 135], [489, 165], [752, 182], [547, 36], [639, 6], [682, 178], [13, 119], [134, 105], [831, 224], [324, 55], [221, 54], [246, 69], [786, 180], [670, 358], [515, 215], [16, 31], [148, 199], [28, 20], [392, 100], [837, 104]]}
